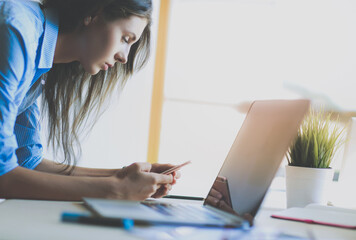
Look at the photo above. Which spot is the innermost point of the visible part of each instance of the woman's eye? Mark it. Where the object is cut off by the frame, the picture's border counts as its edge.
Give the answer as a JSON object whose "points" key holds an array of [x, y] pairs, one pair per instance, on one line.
{"points": [[126, 39]]}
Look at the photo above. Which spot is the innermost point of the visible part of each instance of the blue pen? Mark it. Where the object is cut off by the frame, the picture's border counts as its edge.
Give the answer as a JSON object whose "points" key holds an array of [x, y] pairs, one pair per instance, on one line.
{"points": [[127, 224]]}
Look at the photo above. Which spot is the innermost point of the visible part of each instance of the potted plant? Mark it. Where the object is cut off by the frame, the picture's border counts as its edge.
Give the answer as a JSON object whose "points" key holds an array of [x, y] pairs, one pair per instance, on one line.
{"points": [[308, 173]]}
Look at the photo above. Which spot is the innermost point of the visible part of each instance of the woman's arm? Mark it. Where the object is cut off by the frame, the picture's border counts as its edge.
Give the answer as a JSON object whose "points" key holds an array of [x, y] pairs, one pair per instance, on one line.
{"points": [[135, 182], [28, 184], [49, 166]]}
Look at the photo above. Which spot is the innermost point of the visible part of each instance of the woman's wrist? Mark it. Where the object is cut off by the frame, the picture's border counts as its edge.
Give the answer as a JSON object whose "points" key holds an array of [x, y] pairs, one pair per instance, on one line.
{"points": [[114, 188]]}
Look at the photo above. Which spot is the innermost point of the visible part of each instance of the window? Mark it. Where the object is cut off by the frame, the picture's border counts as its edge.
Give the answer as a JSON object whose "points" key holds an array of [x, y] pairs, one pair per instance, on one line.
{"points": [[223, 53]]}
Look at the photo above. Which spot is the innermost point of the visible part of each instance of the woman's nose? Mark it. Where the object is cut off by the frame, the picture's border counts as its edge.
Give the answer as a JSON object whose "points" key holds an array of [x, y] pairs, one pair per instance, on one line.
{"points": [[121, 58], [122, 55]]}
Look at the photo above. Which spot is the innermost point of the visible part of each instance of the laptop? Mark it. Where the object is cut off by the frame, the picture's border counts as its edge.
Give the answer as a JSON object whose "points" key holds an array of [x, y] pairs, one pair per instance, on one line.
{"points": [[248, 170]]}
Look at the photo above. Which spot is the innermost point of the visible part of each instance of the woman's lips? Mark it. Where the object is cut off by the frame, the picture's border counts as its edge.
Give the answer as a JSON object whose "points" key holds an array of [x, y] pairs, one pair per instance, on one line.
{"points": [[107, 66]]}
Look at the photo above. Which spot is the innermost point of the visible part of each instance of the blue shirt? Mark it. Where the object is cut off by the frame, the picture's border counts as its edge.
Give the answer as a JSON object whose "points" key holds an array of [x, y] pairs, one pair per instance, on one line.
{"points": [[28, 37]]}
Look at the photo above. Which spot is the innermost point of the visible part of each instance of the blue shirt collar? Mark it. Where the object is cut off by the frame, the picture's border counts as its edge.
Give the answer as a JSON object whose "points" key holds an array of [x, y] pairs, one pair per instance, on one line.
{"points": [[50, 36]]}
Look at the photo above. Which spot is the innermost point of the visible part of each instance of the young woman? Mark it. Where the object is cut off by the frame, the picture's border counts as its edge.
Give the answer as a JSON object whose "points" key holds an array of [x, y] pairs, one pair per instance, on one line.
{"points": [[75, 53]]}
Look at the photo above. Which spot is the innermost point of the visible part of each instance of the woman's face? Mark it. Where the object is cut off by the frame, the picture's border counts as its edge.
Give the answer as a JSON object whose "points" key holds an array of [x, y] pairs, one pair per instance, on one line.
{"points": [[105, 43]]}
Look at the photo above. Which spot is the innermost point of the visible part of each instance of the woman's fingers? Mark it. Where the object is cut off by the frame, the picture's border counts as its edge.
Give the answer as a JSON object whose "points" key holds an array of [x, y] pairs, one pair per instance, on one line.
{"points": [[212, 201], [219, 203], [177, 174], [141, 166], [214, 193], [221, 178], [225, 207], [142, 181], [134, 168], [162, 178], [249, 218], [158, 167], [162, 191]]}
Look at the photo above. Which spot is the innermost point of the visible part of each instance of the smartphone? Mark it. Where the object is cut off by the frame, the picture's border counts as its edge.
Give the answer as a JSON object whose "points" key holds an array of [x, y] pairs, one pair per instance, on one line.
{"points": [[175, 168]]}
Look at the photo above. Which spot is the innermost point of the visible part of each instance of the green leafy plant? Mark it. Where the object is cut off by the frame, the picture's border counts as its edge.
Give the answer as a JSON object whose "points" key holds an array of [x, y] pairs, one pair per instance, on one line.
{"points": [[317, 141]]}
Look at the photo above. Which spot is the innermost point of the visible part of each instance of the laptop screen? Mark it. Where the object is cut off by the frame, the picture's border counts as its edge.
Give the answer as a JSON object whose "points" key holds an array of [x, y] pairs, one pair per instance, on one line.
{"points": [[256, 154]]}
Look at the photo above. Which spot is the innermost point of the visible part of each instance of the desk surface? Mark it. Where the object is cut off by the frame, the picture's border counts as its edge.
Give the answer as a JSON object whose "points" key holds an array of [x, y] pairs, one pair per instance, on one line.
{"points": [[28, 219]]}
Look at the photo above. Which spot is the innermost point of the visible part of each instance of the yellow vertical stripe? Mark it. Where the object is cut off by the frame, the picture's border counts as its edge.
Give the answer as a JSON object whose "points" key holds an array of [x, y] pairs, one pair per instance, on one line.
{"points": [[158, 83]]}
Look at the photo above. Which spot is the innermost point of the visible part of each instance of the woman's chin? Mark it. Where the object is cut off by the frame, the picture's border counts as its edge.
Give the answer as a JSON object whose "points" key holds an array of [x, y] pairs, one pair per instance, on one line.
{"points": [[95, 72], [92, 70]]}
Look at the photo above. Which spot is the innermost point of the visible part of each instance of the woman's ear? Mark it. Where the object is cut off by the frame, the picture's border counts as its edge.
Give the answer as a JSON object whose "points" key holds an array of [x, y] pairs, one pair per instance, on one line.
{"points": [[87, 21]]}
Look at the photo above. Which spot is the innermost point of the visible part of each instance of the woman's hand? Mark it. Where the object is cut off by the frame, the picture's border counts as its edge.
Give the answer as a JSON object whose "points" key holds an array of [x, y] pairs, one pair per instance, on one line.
{"points": [[218, 197], [164, 189], [158, 168], [137, 182]]}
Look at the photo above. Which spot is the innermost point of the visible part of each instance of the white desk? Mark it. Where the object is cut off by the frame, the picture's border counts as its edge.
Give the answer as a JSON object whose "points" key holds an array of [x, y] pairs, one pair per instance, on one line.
{"points": [[28, 219]]}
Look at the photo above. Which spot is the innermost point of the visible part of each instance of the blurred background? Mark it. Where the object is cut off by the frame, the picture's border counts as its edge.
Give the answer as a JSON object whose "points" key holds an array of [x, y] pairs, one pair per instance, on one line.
{"points": [[219, 56]]}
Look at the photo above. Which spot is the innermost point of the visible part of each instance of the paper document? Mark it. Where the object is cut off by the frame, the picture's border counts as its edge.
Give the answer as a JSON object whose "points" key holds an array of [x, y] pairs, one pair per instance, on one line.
{"points": [[324, 215]]}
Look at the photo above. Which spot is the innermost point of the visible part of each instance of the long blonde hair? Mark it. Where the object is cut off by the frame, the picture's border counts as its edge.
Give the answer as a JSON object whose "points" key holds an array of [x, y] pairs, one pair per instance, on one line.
{"points": [[73, 99]]}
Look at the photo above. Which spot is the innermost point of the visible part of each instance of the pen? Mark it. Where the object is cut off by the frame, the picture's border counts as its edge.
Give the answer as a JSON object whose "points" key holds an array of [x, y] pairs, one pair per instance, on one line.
{"points": [[127, 224]]}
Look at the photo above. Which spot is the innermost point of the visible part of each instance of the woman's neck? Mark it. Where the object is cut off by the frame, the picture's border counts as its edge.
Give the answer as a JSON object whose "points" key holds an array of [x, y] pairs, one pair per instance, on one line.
{"points": [[66, 49]]}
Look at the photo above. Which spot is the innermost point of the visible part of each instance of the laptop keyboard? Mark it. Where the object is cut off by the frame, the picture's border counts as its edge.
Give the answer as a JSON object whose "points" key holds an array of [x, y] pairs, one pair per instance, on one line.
{"points": [[183, 211]]}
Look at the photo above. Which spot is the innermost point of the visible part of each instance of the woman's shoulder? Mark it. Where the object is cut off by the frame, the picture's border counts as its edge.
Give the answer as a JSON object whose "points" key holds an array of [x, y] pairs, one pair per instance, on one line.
{"points": [[20, 9], [23, 15], [24, 18]]}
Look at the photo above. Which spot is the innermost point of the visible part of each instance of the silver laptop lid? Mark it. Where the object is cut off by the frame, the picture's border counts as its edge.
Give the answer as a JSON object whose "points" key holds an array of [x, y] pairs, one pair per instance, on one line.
{"points": [[257, 152]]}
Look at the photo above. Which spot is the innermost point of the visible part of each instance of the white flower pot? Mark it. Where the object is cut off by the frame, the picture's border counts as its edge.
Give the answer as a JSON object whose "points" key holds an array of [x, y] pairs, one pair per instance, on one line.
{"points": [[307, 185]]}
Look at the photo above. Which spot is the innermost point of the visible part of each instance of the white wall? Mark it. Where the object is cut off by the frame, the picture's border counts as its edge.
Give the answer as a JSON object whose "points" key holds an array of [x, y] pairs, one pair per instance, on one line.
{"points": [[224, 52]]}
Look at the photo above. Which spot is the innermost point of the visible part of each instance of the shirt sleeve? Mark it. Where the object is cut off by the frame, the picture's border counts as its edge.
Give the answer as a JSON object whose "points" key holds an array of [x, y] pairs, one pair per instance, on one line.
{"points": [[27, 129], [12, 69]]}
